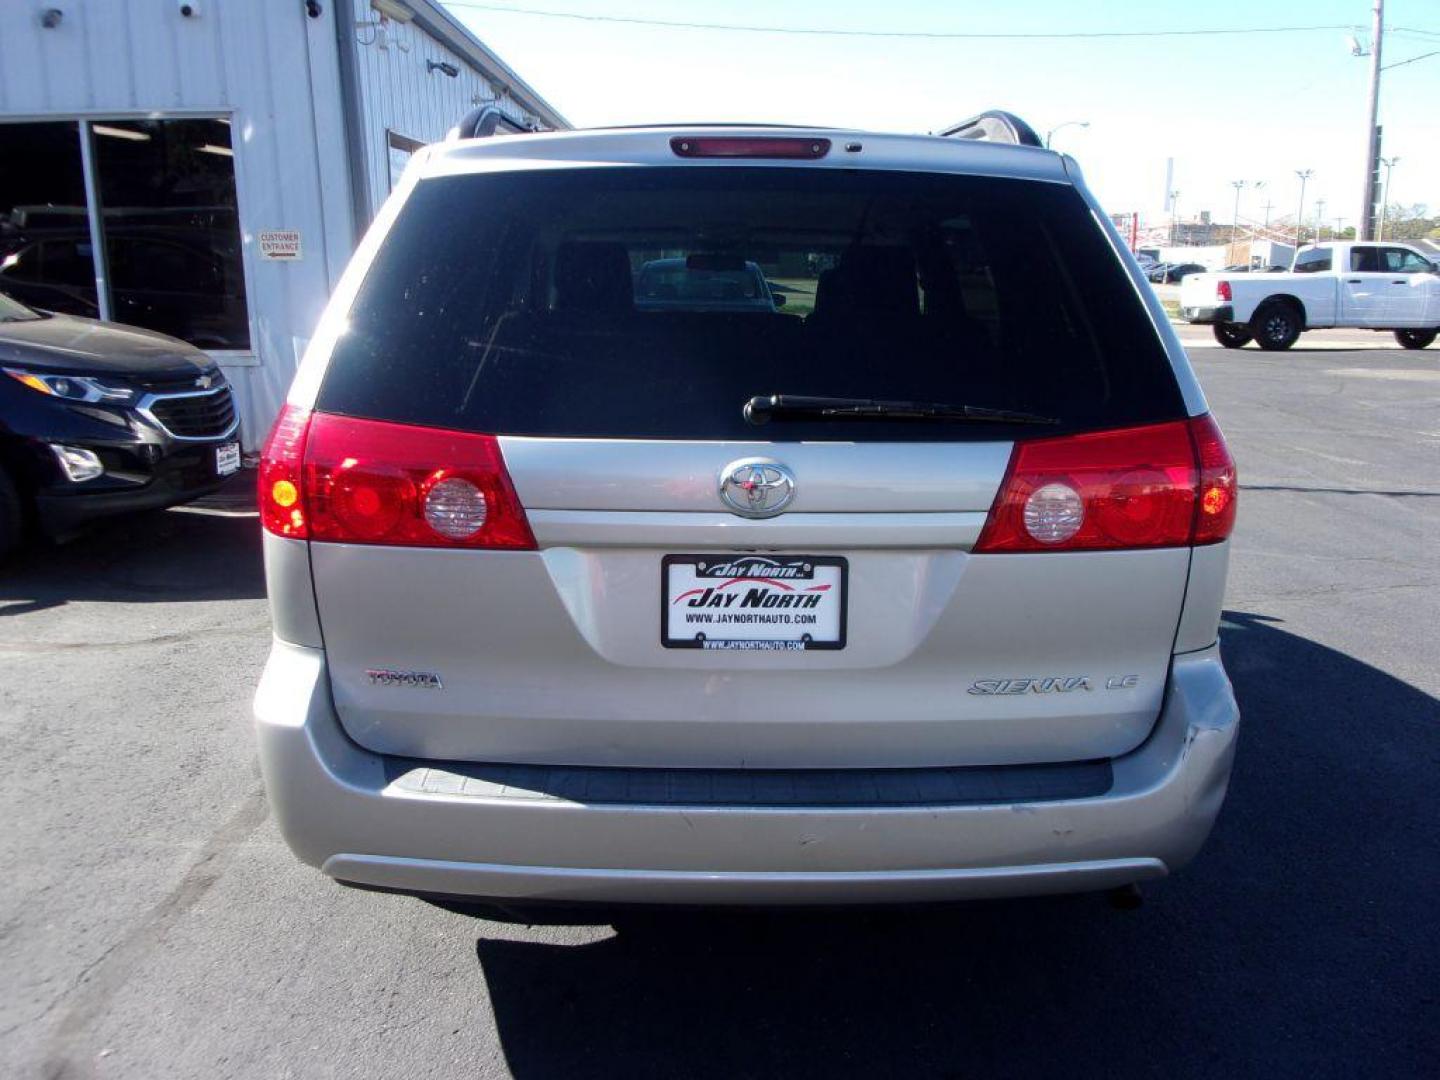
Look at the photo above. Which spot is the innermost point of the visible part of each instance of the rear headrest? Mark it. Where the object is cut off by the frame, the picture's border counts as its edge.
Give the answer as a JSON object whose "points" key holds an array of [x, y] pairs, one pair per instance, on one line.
{"points": [[871, 280], [593, 276]]}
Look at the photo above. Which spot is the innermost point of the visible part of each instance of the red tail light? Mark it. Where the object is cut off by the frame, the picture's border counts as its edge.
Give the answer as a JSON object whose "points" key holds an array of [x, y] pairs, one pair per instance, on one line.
{"points": [[282, 507], [1222, 291], [1215, 512], [370, 482], [1163, 485], [759, 146]]}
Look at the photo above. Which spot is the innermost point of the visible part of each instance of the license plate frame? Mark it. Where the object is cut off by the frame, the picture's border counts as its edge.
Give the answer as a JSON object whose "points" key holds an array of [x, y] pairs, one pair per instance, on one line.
{"points": [[825, 577], [227, 459]]}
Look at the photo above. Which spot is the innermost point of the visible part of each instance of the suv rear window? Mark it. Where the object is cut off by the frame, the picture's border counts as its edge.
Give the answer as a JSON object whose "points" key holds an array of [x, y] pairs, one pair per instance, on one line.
{"points": [[654, 302]]}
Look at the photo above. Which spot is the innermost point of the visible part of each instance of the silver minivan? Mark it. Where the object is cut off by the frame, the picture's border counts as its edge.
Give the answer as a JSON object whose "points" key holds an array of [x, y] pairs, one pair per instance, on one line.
{"points": [[905, 590]]}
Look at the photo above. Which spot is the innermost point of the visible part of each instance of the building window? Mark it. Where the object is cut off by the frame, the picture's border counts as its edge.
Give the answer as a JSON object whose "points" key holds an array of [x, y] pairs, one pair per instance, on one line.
{"points": [[46, 259], [401, 148], [163, 193]]}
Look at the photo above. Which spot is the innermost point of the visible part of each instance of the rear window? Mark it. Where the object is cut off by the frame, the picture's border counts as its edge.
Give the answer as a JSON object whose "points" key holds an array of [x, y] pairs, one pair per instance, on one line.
{"points": [[654, 302]]}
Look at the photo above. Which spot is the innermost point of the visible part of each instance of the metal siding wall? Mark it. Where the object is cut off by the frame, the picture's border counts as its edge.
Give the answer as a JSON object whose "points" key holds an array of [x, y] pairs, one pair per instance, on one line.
{"points": [[398, 94], [275, 73]]}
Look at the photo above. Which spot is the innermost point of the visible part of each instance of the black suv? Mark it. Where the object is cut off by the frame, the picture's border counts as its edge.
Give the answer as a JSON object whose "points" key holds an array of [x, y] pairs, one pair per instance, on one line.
{"points": [[98, 418]]}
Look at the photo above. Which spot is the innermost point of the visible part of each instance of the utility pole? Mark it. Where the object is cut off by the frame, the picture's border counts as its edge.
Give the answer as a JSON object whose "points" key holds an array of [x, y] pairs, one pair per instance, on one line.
{"points": [[1174, 214], [1319, 218], [1389, 164], [1339, 227], [1372, 113], [1304, 175], [1235, 218], [1268, 207]]}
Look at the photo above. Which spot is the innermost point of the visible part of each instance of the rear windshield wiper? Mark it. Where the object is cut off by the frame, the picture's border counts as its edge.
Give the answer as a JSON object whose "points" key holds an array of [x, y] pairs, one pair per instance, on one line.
{"points": [[763, 409]]}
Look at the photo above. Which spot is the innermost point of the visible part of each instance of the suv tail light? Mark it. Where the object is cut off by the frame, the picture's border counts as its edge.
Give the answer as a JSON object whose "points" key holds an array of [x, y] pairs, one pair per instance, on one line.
{"points": [[1223, 291], [340, 479], [1162, 485]]}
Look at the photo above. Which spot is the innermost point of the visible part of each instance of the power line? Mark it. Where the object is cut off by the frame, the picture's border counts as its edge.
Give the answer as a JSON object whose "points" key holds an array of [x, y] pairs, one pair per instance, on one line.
{"points": [[676, 24], [1402, 63]]}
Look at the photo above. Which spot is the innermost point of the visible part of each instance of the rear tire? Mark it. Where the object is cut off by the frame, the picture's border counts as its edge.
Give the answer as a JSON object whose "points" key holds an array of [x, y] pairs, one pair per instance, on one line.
{"points": [[1416, 339], [1232, 335], [11, 519], [1276, 326]]}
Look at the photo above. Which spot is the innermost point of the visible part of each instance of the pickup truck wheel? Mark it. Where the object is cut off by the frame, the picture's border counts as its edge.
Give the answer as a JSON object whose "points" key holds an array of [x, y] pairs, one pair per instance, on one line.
{"points": [[1232, 335], [1416, 339], [1276, 326], [10, 516]]}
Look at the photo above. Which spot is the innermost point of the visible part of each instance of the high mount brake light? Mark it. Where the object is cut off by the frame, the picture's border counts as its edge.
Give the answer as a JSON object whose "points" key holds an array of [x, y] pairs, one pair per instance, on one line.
{"points": [[345, 480], [749, 146], [1161, 485]]}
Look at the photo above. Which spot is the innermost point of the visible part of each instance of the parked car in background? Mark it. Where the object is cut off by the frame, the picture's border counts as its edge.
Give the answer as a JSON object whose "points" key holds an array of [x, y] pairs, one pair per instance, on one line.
{"points": [[1170, 273], [99, 418], [172, 280], [704, 282], [1384, 287], [912, 598]]}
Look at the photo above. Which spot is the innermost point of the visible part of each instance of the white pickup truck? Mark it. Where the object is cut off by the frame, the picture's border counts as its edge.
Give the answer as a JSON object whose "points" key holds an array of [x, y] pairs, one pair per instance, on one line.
{"points": [[1376, 286]]}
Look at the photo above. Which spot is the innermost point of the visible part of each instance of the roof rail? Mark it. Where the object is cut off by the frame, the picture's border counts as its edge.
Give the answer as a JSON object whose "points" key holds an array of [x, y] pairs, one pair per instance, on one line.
{"points": [[995, 125], [486, 121]]}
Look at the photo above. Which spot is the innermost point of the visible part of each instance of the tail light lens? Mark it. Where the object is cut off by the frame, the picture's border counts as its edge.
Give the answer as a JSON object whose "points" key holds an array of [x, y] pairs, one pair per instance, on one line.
{"points": [[1215, 510], [282, 510], [1224, 292], [1163, 485], [370, 482]]}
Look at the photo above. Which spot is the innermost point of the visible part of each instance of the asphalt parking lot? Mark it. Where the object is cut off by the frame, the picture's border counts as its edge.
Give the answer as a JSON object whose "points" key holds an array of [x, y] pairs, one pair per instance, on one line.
{"points": [[152, 923]]}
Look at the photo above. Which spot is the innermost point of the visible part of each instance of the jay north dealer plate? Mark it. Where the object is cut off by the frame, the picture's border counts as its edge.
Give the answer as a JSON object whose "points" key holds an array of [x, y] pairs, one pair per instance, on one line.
{"points": [[753, 603]]}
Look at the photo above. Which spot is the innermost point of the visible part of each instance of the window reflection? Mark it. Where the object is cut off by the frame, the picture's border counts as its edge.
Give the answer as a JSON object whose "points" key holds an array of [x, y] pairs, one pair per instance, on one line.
{"points": [[171, 233], [45, 254]]}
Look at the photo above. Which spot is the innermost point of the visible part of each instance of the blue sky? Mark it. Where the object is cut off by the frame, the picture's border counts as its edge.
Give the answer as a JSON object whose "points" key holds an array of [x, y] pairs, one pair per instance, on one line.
{"points": [[1254, 107]]}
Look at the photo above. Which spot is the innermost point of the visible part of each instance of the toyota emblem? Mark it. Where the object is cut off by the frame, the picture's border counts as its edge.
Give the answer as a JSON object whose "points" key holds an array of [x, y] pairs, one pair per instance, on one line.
{"points": [[756, 487]]}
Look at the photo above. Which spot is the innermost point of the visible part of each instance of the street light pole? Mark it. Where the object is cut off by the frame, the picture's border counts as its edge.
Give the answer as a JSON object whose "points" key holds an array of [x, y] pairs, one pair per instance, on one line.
{"points": [[1304, 175], [1067, 123], [1389, 164], [1174, 214], [1372, 112], [1234, 219], [1319, 218]]}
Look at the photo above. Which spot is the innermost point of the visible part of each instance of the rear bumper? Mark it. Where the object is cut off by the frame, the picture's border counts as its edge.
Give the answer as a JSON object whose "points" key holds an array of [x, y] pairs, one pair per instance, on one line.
{"points": [[341, 809], [1224, 313]]}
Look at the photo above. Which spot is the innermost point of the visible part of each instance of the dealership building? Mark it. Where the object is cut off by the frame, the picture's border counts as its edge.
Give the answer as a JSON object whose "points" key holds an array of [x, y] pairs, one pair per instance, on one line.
{"points": [[206, 169]]}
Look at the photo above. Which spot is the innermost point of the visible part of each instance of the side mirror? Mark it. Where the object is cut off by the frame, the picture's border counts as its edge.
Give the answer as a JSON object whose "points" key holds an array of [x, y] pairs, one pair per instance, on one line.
{"points": [[778, 298]]}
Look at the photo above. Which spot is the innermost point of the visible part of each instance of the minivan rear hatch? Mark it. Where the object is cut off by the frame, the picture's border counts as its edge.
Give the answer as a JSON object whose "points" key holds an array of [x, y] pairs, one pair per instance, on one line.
{"points": [[789, 589]]}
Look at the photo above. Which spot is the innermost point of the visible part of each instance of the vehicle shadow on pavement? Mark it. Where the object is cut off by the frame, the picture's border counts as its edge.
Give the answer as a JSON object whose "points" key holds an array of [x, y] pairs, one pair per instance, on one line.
{"points": [[169, 556], [1301, 942]]}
